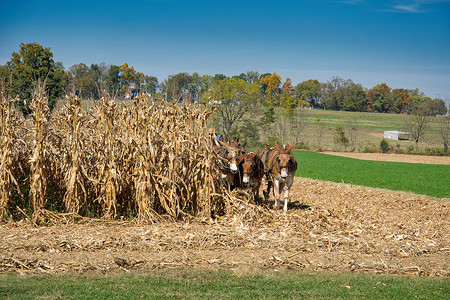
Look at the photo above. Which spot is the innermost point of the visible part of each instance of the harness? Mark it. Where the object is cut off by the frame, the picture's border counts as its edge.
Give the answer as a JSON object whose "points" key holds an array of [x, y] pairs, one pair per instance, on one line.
{"points": [[224, 161], [278, 167], [253, 172]]}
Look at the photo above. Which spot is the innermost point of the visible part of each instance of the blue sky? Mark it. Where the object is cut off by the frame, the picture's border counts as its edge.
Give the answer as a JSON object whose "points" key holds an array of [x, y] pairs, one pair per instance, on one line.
{"points": [[405, 44]]}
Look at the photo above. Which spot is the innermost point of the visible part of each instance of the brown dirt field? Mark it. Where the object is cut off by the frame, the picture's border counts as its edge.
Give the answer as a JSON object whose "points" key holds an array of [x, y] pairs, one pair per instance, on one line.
{"points": [[418, 159], [329, 226]]}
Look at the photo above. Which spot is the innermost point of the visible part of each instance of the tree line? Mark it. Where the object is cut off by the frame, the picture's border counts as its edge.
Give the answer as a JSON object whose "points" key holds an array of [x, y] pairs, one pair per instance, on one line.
{"points": [[236, 94]]}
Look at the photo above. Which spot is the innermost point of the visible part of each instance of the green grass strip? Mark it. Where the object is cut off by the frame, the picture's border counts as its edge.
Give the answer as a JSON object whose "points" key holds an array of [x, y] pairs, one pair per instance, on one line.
{"points": [[195, 284], [426, 179]]}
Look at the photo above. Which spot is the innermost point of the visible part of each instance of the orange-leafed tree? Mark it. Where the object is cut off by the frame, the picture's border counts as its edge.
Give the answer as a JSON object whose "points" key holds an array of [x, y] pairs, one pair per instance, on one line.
{"points": [[272, 83], [271, 87], [380, 98], [287, 87], [402, 100], [128, 76]]}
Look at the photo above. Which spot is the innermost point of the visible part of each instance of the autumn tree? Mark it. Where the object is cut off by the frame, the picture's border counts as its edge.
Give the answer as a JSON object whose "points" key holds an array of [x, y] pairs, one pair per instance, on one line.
{"points": [[287, 87], [128, 77], [381, 98], [402, 100], [271, 88], [272, 83]]}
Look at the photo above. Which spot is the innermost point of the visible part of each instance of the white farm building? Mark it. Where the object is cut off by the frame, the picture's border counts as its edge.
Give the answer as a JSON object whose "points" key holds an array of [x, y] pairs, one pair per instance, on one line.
{"points": [[397, 135]]}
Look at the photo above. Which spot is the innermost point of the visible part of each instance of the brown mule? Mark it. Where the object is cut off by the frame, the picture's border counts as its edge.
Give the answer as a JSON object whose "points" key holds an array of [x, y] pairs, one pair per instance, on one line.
{"points": [[279, 167], [229, 152], [251, 171]]}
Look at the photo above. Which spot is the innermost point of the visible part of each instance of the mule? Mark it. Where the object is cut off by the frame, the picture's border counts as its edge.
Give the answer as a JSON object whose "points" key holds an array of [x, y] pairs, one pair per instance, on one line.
{"points": [[279, 168], [229, 152], [251, 172]]}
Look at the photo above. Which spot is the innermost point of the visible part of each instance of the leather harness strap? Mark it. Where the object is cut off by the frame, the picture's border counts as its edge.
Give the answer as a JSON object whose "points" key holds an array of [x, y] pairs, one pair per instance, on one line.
{"points": [[272, 159]]}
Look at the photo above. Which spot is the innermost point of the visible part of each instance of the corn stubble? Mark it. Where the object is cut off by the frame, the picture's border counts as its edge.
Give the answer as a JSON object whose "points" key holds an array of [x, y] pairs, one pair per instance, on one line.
{"points": [[147, 160]]}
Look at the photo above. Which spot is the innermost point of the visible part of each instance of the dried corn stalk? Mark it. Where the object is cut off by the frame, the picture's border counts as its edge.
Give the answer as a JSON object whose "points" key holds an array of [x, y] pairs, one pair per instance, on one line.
{"points": [[8, 124], [173, 161], [70, 121], [106, 164], [38, 183]]}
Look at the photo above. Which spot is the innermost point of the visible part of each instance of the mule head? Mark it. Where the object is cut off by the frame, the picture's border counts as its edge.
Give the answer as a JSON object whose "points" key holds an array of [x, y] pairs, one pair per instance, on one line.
{"points": [[233, 156], [230, 154], [285, 160], [249, 164], [240, 146]]}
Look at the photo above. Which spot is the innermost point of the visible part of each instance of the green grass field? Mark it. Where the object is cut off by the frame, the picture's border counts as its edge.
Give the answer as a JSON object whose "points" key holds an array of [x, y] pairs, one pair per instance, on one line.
{"points": [[432, 180], [195, 284]]}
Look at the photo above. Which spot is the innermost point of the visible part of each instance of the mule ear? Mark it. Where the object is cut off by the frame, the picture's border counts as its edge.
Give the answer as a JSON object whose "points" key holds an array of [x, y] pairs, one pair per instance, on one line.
{"points": [[277, 146], [289, 148], [245, 143]]}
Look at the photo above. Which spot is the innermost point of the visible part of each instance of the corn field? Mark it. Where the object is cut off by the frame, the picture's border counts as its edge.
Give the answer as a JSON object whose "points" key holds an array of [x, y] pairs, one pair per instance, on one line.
{"points": [[148, 160]]}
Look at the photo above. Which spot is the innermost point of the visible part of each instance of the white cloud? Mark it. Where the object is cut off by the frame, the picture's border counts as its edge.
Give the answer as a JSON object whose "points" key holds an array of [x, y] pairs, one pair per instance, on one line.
{"points": [[399, 6], [410, 8]]}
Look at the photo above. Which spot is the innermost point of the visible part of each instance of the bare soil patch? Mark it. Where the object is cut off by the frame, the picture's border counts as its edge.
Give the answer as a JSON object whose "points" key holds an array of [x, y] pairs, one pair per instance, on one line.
{"points": [[418, 159], [328, 226]]}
